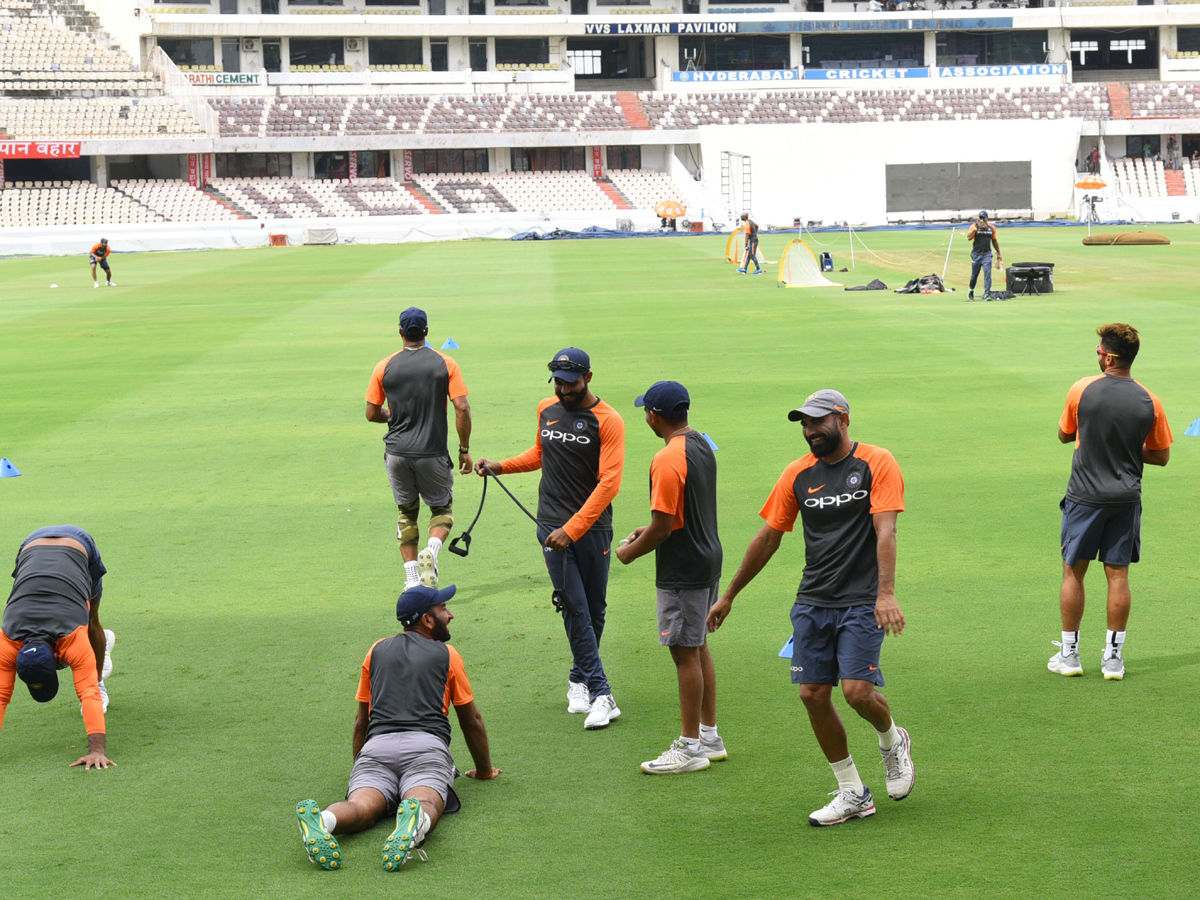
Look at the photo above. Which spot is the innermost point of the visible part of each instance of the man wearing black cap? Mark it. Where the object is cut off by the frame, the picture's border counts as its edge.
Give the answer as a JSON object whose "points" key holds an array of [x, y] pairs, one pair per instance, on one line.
{"points": [[848, 496], [982, 235], [683, 535], [401, 739], [414, 382], [580, 448], [98, 256], [52, 619]]}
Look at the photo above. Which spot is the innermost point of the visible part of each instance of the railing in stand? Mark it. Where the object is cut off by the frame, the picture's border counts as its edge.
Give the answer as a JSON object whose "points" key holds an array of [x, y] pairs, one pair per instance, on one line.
{"points": [[183, 92]]}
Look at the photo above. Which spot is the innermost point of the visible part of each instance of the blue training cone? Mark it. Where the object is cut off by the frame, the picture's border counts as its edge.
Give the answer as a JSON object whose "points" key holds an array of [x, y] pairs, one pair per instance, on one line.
{"points": [[8, 470], [451, 344], [786, 652], [711, 442], [1193, 430]]}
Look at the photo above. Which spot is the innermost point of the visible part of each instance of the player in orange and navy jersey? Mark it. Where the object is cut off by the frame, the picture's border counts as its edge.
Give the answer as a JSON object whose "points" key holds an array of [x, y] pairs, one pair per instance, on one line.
{"points": [[414, 382], [52, 620], [98, 256], [401, 739], [848, 496], [580, 448], [683, 535], [1117, 426], [751, 228]]}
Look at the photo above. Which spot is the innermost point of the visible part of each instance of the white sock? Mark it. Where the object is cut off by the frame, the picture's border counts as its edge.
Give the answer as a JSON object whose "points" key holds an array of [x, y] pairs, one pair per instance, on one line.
{"points": [[1113, 642], [890, 738], [410, 574], [690, 743], [329, 820], [847, 775], [435, 544], [708, 732], [1070, 642]]}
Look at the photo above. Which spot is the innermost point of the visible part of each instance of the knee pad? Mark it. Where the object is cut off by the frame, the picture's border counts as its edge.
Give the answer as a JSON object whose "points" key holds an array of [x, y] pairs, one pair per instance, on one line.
{"points": [[442, 516], [407, 532]]}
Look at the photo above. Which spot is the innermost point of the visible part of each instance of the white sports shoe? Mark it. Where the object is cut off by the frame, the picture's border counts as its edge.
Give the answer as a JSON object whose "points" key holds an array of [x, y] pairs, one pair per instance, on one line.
{"points": [[112, 284], [1113, 668], [897, 762], [427, 571], [603, 710], [845, 805], [1062, 663], [103, 697], [95, 284], [714, 749], [676, 760], [109, 640], [579, 698]]}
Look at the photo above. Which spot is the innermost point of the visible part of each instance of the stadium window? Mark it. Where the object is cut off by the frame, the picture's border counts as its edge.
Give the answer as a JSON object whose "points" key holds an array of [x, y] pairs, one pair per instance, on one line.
{"points": [[395, 52], [272, 54], [522, 51], [1083, 48], [449, 162], [439, 55], [477, 54], [585, 62], [854, 51], [991, 48], [331, 166], [254, 165], [727, 52], [624, 157], [1128, 47], [269, 8], [374, 164], [607, 57], [548, 159], [393, 2], [189, 51], [1187, 39], [316, 52]]}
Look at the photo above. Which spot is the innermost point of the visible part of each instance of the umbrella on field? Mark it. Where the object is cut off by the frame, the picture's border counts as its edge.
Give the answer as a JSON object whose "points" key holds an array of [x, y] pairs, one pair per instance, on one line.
{"points": [[1091, 184], [670, 209]]}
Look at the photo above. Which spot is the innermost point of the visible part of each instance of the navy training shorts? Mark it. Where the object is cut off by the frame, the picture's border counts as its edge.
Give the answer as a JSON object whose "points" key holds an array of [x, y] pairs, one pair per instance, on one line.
{"points": [[829, 645], [102, 262], [1112, 533]]}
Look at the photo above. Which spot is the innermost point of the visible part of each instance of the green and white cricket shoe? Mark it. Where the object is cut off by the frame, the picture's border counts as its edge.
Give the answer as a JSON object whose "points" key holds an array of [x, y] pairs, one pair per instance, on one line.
{"points": [[1113, 668], [844, 806], [321, 846], [897, 762], [714, 749], [400, 841], [1063, 663], [676, 760], [427, 570]]}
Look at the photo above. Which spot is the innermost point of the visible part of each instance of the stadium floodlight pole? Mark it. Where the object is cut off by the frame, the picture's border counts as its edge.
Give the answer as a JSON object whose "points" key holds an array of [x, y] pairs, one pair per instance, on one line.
{"points": [[947, 263]]}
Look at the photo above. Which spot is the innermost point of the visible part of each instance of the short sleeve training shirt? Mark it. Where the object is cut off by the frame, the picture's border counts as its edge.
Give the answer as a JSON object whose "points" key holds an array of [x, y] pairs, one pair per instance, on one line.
{"points": [[414, 383], [683, 483], [836, 503], [54, 586], [1111, 418]]}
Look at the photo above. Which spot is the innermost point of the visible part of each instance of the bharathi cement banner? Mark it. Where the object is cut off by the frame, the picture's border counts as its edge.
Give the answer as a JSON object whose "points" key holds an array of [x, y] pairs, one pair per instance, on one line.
{"points": [[239, 79]]}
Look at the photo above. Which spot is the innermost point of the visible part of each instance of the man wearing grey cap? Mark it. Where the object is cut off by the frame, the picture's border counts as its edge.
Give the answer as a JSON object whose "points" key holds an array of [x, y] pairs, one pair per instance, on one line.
{"points": [[847, 496], [414, 382]]}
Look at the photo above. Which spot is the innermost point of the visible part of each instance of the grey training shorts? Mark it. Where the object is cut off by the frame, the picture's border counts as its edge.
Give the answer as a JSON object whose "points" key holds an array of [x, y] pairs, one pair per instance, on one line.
{"points": [[395, 763], [429, 477], [683, 615]]}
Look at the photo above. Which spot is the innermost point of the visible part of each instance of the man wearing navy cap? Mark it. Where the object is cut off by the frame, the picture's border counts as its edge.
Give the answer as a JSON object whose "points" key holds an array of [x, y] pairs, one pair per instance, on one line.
{"points": [[52, 619], [580, 448], [683, 535], [401, 739], [982, 235], [847, 496], [414, 382]]}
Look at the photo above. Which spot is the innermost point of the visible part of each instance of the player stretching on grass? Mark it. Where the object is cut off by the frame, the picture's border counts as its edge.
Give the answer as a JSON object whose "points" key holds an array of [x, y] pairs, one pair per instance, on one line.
{"points": [[1117, 426], [98, 256], [414, 383], [751, 228], [848, 496], [683, 535], [52, 619], [401, 737], [580, 448]]}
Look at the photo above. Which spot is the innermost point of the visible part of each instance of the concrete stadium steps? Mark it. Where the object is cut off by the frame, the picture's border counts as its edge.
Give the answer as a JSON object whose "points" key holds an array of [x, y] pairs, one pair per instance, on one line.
{"points": [[632, 109], [1118, 101], [610, 190], [1175, 183], [220, 198], [431, 206]]}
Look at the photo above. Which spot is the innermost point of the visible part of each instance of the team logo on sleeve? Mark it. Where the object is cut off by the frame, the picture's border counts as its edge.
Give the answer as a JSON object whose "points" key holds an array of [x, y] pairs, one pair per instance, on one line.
{"points": [[580, 425], [854, 480]]}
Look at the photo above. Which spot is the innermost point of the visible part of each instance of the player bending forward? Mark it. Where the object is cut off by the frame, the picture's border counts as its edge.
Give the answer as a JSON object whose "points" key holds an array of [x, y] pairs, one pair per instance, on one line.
{"points": [[401, 741], [848, 496], [98, 256]]}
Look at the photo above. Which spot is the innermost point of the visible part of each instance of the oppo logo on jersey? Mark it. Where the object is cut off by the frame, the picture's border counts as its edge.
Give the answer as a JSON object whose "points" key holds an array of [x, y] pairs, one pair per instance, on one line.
{"points": [[837, 500], [565, 436]]}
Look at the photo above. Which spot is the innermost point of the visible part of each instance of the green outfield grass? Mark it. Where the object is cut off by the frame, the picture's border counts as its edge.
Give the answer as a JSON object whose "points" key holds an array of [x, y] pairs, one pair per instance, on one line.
{"points": [[205, 422]]}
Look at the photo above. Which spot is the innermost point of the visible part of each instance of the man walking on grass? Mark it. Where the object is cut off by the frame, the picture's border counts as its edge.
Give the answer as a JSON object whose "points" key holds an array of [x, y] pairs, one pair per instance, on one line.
{"points": [[683, 535], [414, 382], [848, 496], [401, 739], [1117, 426], [982, 235]]}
